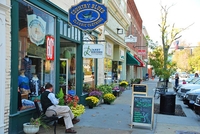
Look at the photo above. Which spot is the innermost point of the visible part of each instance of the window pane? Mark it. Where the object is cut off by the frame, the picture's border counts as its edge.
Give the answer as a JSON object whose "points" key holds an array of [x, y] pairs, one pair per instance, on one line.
{"points": [[34, 70]]}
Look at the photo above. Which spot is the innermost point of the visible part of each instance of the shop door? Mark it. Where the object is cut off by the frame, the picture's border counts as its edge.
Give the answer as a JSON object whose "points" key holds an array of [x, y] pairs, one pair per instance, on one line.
{"points": [[64, 75]]}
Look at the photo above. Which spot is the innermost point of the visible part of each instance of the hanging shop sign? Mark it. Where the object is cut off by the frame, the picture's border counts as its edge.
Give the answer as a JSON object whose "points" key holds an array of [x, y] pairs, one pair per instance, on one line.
{"points": [[88, 15], [36, 29], [141, 52], [93, 51], [130, 39], [50, 48]]}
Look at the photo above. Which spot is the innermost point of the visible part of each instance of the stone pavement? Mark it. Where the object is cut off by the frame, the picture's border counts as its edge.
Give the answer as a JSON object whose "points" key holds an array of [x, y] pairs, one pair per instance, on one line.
{"points": [[115, 119]]}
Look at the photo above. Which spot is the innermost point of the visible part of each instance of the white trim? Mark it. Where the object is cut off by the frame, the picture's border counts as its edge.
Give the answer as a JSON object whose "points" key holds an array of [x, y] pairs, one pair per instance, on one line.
{"points": [[2, 67], [4, 7]]}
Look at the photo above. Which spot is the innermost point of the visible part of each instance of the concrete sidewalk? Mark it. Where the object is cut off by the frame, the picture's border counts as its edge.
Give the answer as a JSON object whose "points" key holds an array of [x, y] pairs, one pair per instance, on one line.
{"points": [[115, 119]]}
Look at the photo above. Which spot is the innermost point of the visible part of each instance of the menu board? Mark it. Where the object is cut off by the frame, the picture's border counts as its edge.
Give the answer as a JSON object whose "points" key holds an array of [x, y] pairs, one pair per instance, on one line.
{"points": [[142, 110], [140, 88]]}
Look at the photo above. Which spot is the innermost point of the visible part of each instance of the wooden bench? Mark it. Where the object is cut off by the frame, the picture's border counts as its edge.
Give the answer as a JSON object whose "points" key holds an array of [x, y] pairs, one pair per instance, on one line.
{"points": [[48, 120]]}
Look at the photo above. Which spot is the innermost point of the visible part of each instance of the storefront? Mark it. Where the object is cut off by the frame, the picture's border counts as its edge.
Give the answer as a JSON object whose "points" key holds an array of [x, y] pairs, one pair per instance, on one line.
{"points": [[44, 48]]}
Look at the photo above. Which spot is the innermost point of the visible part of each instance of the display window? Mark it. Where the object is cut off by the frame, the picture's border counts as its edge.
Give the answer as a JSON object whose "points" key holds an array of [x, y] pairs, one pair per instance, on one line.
{"points": [[68, 67], [36, 53], [88, 67], [108, 71]]}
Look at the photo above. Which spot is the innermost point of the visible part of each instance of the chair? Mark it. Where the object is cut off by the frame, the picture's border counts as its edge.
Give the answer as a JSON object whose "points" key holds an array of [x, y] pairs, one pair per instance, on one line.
{"points": [[48, 120]]}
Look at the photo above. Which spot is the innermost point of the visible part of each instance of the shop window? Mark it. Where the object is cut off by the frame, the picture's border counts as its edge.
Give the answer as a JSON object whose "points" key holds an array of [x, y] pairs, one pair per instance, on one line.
{"points": [[35, 25], [108, 71], [67, 68], [61, 27]]}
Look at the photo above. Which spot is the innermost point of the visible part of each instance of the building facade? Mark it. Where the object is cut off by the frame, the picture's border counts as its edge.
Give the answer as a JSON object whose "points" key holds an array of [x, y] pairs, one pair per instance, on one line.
{"points": [[5, 59], [137, 48]]}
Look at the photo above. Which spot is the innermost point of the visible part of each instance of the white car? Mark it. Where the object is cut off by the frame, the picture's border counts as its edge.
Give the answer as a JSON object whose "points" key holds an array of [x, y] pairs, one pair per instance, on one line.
{"points": [[187, 87]]}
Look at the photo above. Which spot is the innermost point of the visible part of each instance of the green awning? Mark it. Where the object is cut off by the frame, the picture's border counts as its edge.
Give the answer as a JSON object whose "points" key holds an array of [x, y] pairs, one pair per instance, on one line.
{"points": [[130, 60]]}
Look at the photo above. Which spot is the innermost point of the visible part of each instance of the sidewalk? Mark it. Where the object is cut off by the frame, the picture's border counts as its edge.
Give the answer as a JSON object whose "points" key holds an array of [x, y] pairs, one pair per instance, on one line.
{"points": [[115, 119]]}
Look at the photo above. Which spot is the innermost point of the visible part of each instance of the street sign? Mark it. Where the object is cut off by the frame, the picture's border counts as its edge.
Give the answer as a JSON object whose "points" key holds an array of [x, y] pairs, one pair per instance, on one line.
{"points": [[88, 15], [130, 39]]}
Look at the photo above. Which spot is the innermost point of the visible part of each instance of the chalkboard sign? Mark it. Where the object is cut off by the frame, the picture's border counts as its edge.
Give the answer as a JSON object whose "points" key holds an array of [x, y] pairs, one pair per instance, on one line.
{"points": [[139, 88], [142, 110]]}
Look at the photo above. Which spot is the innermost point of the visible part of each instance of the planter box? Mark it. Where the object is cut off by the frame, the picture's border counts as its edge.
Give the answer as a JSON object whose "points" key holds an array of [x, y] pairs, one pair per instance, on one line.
{"points": [[116, 93]]}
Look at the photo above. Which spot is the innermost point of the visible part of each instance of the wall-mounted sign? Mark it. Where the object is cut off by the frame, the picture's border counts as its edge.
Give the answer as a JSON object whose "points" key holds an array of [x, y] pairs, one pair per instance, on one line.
{"points": [[121, 54], [50, 48], [93, 51], [109, 49], [141, 52], [130, 39], [36, 29], [88, 15]]}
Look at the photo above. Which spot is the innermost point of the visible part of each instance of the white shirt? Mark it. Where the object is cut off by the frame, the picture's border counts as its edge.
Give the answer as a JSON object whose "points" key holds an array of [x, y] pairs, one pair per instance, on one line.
{"points": [[52, 98]]}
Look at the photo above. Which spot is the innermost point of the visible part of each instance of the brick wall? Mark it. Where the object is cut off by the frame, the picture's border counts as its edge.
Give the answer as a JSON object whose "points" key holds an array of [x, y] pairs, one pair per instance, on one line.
{"points": [[8, 68]]}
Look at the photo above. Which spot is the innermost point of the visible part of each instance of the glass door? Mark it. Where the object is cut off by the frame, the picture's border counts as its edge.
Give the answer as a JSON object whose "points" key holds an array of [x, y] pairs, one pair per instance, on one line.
{"points": [[64, 75]]}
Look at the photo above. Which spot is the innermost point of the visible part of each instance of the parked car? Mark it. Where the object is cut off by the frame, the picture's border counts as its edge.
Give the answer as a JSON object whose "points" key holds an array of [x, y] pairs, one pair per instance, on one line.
{"points": [[190, 97], [197, 105], [188, 87]]}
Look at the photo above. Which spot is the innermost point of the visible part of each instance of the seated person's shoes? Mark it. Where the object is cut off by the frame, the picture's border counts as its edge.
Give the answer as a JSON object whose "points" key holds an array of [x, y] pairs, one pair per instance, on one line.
{"points": [[75, 120], [70, 131]]}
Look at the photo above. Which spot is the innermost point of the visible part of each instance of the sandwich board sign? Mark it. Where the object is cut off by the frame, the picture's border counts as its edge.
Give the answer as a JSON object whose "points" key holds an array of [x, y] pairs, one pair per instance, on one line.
{"points": [[140, 89], [142, 111]]}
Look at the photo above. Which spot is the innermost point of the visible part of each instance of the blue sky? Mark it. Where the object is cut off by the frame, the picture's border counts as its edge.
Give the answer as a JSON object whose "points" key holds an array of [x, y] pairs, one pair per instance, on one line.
{"points": [[183, 13]]}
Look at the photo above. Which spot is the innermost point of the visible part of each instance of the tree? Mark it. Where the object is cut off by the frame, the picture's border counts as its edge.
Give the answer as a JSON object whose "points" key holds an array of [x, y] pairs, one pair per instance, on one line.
{"points": [[156, 58], [169, 34]]}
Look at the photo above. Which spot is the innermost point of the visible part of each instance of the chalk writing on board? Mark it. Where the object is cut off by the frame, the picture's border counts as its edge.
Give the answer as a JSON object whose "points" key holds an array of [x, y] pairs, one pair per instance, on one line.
{"points": [[139, 88], [142, 110]]}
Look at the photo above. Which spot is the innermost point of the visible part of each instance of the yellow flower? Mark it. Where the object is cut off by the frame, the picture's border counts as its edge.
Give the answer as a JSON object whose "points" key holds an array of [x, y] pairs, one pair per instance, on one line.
{"points": [[109, 97], [92, 100]]}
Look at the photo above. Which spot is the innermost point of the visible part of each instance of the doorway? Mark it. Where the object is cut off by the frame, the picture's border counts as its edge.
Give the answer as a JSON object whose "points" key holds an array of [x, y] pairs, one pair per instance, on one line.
{"points": [[63, 79]]}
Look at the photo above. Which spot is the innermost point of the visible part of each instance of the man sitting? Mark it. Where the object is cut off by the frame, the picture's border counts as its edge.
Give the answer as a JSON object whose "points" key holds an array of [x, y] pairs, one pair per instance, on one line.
{"points": [[50, 103]]}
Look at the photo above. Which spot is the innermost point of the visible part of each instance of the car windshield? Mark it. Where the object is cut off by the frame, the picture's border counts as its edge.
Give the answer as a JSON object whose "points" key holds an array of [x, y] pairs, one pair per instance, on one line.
{"points": [[197, 81]]}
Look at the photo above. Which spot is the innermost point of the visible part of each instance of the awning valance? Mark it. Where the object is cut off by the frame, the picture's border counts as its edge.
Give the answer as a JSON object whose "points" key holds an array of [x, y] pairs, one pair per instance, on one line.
{"points": [[130, 60], [142, 64]]}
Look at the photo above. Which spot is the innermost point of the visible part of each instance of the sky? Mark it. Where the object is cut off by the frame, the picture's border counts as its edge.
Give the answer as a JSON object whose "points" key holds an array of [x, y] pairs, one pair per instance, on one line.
{"points": [[183, 13]]}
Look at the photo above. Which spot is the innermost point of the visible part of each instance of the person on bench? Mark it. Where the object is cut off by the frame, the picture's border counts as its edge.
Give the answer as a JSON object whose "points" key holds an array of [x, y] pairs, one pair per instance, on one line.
{"points": [[50, 103]]}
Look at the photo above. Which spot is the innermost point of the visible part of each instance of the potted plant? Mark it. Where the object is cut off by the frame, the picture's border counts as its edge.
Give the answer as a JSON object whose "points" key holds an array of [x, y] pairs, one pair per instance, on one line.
{"points": [[123, 84], [116, 91], [32, 127], [91, 101], [109, 98], [97, 94], [72, 102], [105, 89]]}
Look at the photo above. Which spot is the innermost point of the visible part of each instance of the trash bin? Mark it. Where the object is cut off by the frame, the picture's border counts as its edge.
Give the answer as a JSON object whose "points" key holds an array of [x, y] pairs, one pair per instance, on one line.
{"points": [[167, 103]]}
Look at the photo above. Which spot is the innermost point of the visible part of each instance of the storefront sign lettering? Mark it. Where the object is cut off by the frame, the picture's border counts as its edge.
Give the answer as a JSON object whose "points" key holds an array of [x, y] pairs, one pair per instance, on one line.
{"points": [[88, 15], [50, 48], [93, 51]]}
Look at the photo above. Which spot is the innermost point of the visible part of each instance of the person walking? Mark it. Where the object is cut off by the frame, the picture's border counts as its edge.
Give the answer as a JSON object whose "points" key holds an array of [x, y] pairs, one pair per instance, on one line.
{"points": [[176, 80], [50, 103]]}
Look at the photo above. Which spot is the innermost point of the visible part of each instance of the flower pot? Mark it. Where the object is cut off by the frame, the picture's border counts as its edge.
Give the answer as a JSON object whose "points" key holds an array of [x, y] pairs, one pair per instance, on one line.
{"points": [[30, 129], [90, 107]]}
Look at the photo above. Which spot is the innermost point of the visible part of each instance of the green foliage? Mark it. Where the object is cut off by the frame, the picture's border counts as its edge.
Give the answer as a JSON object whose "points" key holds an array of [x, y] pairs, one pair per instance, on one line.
{"points": [[86, 87], [157, 61], [105, 89], [60, 95]]}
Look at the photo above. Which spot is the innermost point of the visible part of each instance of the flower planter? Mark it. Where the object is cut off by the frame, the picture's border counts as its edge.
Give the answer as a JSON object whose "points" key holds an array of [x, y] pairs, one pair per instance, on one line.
{"points": [[116, 93], [30, 129], [90, 107]]}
